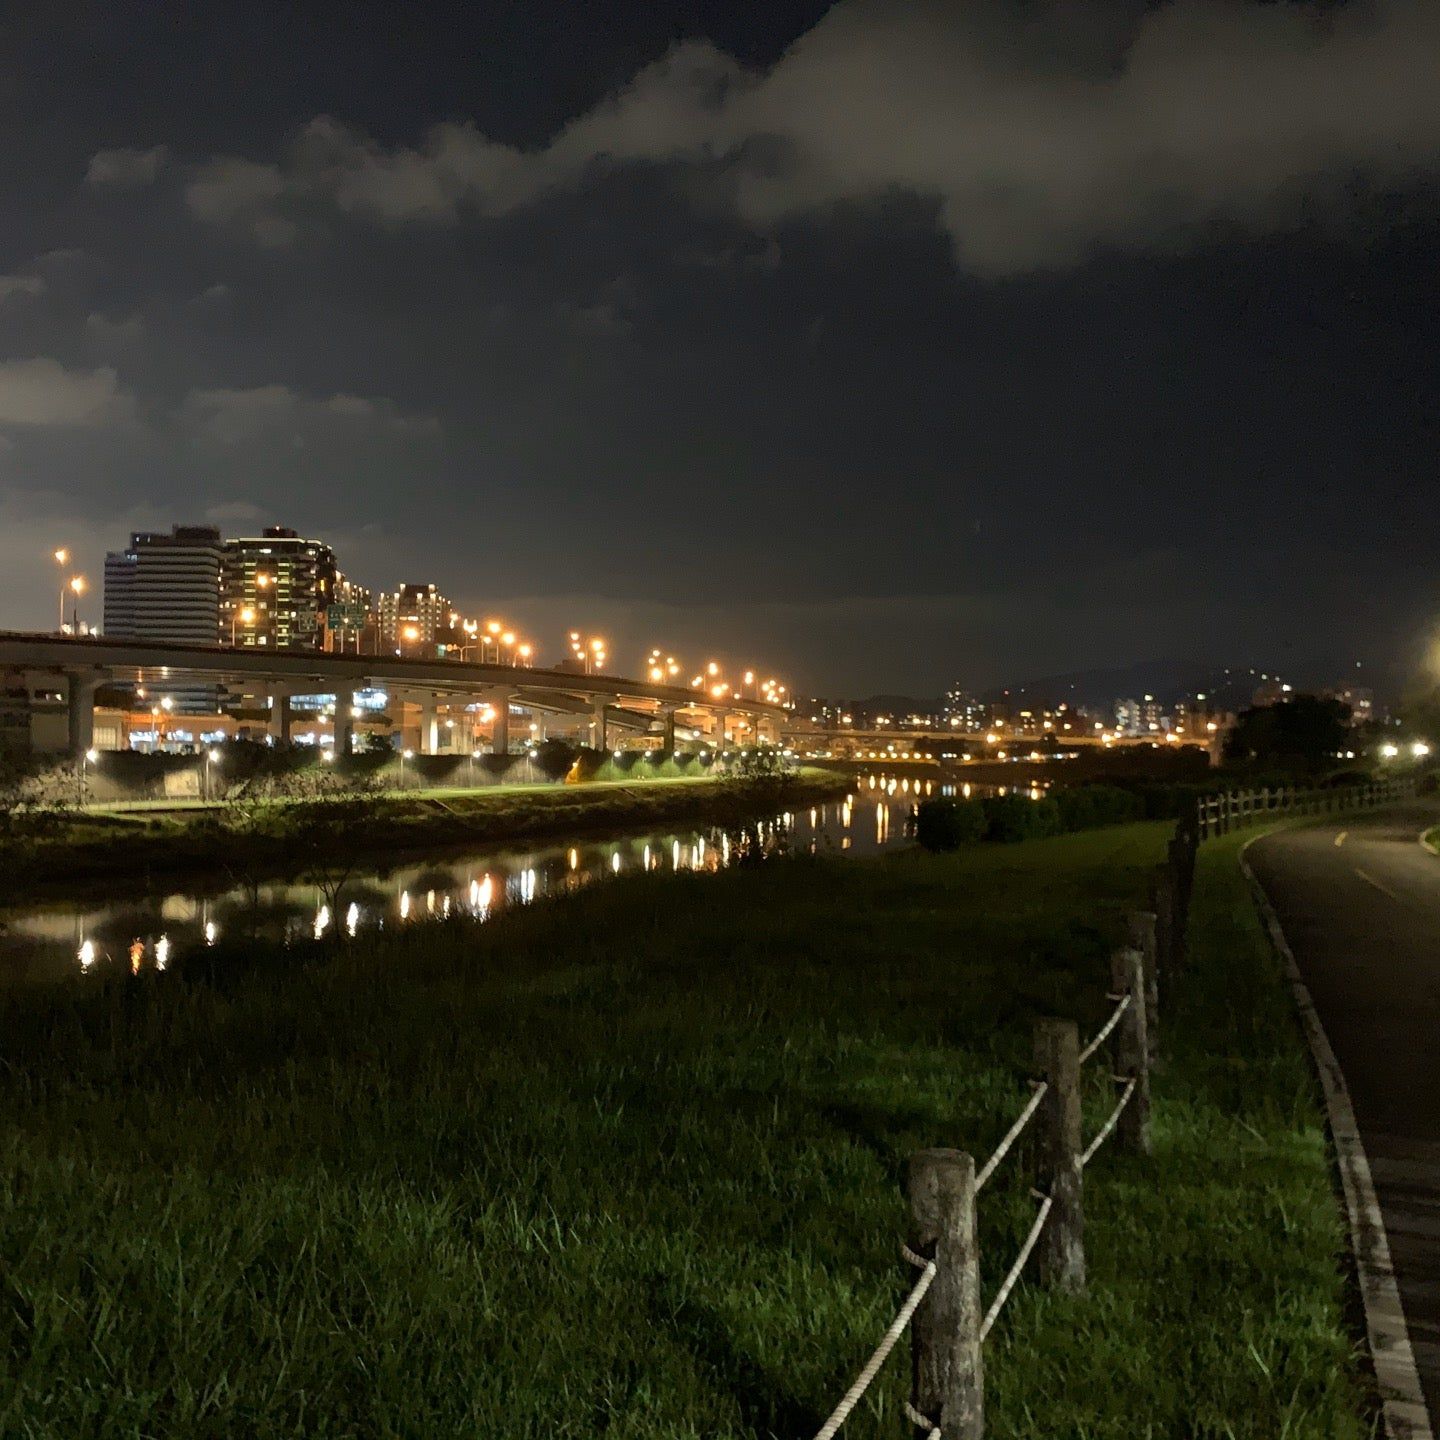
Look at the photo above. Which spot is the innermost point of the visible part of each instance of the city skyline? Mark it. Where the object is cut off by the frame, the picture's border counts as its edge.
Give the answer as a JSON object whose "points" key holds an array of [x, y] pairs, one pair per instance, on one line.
{"points": [[595, 325]]}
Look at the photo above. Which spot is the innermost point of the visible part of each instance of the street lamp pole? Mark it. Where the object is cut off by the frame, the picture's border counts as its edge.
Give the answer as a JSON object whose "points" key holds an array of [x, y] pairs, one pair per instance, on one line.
{"points": [[87, 758], [61, 559]]}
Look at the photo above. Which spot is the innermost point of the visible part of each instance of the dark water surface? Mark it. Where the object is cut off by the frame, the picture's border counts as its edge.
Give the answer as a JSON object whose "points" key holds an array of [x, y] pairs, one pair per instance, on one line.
{"points": [[120, 925]]}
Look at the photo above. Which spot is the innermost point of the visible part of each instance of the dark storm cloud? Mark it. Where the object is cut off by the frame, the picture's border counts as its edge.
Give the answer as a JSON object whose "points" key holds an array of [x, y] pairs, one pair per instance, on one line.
{"points": [[1202, 112], [925, 340]]}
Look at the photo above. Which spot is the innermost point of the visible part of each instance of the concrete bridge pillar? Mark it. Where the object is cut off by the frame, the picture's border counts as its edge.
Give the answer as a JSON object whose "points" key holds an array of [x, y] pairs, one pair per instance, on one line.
{"points": [[668, 717], [280, 719], [721, 717], [80, 690], [429, 728], [500, 726], [599, 730], [344, 723]]}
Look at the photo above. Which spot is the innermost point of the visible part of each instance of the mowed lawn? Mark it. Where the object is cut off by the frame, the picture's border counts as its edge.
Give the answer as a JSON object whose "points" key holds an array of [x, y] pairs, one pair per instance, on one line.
{"points": [[628, 1163]]}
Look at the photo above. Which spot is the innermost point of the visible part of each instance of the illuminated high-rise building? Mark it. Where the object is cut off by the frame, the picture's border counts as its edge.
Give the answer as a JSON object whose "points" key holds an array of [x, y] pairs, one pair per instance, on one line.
{"points": [[277, 588]]}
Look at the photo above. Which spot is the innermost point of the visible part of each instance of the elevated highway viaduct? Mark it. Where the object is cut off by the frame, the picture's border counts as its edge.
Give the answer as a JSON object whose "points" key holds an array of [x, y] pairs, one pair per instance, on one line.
{"points": [[83, 663]]}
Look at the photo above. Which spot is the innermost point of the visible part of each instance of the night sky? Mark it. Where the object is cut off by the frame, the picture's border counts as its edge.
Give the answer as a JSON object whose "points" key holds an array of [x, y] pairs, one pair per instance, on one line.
{"points": [[882, 344]]}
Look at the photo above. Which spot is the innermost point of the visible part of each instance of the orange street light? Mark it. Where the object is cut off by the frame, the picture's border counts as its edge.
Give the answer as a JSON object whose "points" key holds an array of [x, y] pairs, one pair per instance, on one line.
{"points": [[77, 589]]}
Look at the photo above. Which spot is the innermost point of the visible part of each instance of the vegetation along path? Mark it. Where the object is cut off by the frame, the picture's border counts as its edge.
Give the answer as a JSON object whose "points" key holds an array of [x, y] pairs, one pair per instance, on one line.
{"points": [[628, 1162]]}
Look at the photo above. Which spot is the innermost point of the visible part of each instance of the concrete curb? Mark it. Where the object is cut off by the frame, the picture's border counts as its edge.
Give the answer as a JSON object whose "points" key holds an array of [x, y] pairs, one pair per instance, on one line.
{"points": [[1402, 1399]]}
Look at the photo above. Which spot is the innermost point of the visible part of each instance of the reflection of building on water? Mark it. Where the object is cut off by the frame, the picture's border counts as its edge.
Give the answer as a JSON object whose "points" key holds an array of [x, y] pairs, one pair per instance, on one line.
{"points": [[46, 943]]}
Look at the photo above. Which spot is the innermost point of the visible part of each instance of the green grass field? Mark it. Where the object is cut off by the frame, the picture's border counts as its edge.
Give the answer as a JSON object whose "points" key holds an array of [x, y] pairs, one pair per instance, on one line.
{"points": [[628, 1164]]}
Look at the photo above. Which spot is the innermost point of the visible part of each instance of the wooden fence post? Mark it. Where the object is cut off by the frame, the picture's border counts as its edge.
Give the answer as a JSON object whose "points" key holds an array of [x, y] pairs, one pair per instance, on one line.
{"points": [[1062, 1242], [1132, 1050], [1141, 927], [948, 1368]]}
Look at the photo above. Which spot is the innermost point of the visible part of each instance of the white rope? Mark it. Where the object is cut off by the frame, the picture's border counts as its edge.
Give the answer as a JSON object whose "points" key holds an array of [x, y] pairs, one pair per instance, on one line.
{"points": [[923, 1421], [1110, 1124], [1105, 1029], [853, 1395], [1003, 1294], [1012, 1134]]}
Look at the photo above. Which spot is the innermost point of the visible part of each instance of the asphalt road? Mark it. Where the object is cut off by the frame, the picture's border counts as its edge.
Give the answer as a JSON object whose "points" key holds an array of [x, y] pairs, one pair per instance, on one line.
{"points": [[1359, 901]]}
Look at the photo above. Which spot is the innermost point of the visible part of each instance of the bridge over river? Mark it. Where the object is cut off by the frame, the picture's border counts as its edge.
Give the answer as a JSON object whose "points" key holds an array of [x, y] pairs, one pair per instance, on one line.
{"points": [[84, 663]]}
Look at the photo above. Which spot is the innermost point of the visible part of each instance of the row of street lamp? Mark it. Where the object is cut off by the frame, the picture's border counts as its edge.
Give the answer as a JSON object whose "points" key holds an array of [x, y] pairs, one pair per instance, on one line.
{"points": [[496, 641]]}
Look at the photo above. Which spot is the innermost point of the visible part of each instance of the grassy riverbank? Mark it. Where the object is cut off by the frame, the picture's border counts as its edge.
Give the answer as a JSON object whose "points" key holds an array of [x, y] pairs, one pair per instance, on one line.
{"points": [[100, 845], [627, 1163]]}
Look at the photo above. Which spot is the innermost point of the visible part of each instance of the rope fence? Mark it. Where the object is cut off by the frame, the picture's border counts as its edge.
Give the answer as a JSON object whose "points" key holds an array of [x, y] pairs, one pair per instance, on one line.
{"points": [[1104, 1032], [941, 1309], [1011, 1135], [856, 1392], [1108, 1128], [1008, 1284]]}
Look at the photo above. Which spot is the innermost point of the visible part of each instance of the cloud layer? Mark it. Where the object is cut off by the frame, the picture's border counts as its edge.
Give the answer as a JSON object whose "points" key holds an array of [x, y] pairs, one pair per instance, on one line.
{"points": [[125, 168], [43, 392], [1035, 148]]}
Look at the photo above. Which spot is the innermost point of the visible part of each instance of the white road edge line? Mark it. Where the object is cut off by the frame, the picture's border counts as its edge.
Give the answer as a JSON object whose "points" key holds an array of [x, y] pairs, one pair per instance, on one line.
{"points": [[1401, 1397], [1371, 880]]}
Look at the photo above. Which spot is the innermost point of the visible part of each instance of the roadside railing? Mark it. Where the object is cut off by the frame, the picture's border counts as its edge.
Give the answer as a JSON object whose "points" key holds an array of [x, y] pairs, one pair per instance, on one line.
{"points": [[1227, 810], [943, 1307]]}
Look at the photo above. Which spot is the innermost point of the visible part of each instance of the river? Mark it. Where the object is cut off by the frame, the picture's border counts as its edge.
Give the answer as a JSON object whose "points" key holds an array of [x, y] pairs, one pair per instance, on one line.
{"points": [[100, 928]]}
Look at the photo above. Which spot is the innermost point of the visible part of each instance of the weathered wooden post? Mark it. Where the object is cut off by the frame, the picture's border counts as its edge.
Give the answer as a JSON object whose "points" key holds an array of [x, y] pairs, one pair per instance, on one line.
{"points": [[1132, 1050], [1140, 925], [948, 1385], [1062, 1241]]}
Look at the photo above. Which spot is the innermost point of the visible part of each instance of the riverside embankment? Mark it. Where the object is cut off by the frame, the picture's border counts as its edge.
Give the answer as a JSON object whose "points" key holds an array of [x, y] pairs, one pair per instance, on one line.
{"points": [[279, 835]]}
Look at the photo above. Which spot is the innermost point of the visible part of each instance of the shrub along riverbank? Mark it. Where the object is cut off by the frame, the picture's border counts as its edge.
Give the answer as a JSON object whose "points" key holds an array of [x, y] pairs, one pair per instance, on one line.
{"points": [[628, 1163], [268, 834], [944, 823]]}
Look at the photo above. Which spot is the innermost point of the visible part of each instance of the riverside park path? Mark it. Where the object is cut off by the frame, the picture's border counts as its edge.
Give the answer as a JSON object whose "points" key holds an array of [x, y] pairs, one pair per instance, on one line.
{"points": [[1358, 899]]}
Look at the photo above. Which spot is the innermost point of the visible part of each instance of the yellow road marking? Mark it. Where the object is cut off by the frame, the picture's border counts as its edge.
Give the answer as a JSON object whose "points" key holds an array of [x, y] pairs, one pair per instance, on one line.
{"points": [[1340, 838]]}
